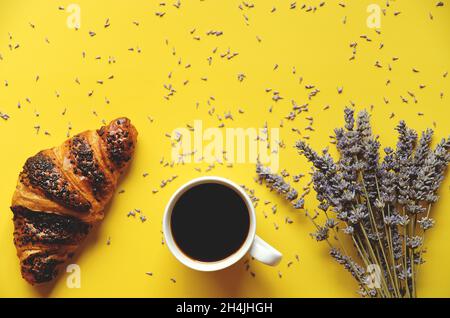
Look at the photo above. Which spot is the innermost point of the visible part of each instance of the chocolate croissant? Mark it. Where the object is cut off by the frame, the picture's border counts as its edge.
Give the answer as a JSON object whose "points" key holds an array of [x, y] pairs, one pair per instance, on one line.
{"points": [[62, 193]]}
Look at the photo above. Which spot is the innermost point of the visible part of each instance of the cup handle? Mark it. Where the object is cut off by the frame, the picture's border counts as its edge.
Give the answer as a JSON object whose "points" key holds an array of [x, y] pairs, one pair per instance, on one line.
{"points": [[264, 253]]}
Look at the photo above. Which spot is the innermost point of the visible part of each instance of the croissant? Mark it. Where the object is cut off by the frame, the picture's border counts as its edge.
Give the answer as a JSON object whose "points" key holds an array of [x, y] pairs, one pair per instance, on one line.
{"points": [[62, 193]]}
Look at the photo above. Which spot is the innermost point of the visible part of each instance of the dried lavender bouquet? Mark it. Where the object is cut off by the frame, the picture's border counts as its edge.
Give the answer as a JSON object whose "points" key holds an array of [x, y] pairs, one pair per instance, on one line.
{"points": [[382, 205]]}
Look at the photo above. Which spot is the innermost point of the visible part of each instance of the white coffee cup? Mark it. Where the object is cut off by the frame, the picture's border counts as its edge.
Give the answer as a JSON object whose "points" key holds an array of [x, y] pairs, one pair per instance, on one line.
{"points": [[253, 244]]}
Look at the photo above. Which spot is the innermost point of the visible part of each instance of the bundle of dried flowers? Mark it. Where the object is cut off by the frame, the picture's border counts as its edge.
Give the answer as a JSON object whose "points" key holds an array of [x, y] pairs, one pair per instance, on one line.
{"points": [[383, 205]]}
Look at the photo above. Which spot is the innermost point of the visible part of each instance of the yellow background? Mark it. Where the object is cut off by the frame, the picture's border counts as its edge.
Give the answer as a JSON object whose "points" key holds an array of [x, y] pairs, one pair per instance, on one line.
{"points": [[316, 44]]}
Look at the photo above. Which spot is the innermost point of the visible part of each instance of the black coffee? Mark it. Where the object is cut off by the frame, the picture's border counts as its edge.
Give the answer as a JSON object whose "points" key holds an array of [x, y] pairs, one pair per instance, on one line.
{"points": [[210, 222]]}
